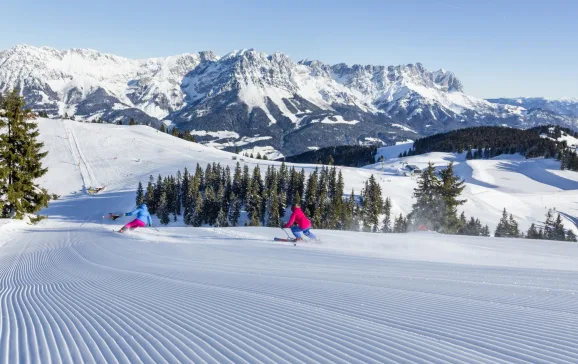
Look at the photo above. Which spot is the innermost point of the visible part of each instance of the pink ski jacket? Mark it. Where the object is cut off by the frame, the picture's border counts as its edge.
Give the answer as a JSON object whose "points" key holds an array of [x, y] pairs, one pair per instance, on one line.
{"points": [[299, 217]]}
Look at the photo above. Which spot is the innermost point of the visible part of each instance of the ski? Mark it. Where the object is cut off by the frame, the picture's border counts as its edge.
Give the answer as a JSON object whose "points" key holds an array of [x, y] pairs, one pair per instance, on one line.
{"points": [[285, 240]]}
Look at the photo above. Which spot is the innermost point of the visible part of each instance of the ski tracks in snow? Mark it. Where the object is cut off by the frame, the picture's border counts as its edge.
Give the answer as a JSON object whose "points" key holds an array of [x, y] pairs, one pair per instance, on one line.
{"points": [[84, 295], [86, 172]]}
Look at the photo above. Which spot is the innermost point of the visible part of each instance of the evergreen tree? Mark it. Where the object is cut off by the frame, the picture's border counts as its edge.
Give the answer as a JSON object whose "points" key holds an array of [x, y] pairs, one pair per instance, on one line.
{"points": [[548, 232], [175, 201], [273, 210], [253, 199], [184, 191], [427, 210], [347, 213], [503, 227], [337, 200], [158, 189], [237, 176], [514, 230], [245, 181], [163, 209], [222, 220], [450, 189], [356, 220], [400, 225], [311, 194], [558, 230], [386, 224], [330, 161], [163, 128], [20, 161], [140, 198], [463, 225], [486, 231], [209, 204], [149, 196], [372, 205], [131, 122], [235, 210], [532, 232], [197, 217], [570, 236]]}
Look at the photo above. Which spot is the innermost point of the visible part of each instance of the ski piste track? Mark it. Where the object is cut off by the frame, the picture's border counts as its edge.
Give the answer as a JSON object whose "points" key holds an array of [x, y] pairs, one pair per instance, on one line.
{"points": [[72, 291], [79, 160], [88, 295]]}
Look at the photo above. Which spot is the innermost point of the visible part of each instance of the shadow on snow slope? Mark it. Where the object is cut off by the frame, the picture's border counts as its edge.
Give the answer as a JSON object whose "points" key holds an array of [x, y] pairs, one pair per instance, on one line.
{"points": [[534, 169]]}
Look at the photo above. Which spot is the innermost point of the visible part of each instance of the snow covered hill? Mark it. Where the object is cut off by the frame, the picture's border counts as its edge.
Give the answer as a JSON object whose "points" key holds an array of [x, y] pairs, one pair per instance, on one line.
{"points": [[255, 99], [73, 291], [527, 188], [564, 106]]}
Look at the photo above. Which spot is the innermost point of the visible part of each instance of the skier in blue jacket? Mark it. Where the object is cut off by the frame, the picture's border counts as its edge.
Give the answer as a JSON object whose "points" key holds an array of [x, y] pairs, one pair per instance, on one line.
{"points": [[143, 218]]}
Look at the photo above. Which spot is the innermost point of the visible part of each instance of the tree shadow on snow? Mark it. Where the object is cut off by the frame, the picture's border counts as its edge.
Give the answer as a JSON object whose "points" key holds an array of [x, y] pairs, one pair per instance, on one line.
{"points": [[535, 170], [83, 208]]}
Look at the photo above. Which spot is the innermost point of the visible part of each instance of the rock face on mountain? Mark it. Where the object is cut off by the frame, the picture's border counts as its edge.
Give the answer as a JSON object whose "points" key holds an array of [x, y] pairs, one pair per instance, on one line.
{"points": [[249, 99]]}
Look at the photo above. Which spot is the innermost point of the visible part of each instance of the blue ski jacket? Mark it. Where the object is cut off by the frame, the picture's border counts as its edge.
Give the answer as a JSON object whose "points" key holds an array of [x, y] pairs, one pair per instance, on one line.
{"points": [[142, 214]]}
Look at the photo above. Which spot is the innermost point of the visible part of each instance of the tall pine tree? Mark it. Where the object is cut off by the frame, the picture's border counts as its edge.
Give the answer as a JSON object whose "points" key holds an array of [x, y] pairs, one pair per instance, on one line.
{"points": [[451, 187], [427, 210], [386, 223], [20, 161]]}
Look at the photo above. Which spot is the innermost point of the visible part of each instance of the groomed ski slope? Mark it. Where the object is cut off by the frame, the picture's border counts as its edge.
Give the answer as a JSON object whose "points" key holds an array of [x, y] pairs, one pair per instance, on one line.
{"points": [[73, 291]]}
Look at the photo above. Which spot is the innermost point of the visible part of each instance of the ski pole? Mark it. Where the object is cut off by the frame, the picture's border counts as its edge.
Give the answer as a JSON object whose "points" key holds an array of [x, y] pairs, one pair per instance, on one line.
{"points": [[286, 233]]}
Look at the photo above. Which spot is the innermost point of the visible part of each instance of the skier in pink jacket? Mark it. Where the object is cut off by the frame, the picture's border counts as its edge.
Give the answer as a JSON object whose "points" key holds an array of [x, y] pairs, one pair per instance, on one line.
{"points": [[303, 223]]}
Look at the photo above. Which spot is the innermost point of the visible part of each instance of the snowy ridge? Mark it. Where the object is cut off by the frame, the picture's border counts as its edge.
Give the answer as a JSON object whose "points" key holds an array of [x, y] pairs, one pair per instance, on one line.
{"points": [[564, 106], [60, 80], [73, 291], [249, 92]]}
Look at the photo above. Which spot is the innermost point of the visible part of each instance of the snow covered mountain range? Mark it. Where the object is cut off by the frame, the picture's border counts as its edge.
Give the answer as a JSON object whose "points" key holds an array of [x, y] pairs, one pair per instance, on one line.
{"points": [[249, 99]]}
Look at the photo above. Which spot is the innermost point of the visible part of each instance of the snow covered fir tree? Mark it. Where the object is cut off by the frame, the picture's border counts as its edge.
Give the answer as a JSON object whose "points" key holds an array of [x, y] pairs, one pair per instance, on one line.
{"points": [[20, 160]]}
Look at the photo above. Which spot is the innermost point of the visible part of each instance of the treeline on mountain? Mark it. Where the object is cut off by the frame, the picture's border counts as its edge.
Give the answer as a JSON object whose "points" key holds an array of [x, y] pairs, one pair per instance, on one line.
{"points": [[343, 155], [491, 141], [217, 196], [20, 160]]}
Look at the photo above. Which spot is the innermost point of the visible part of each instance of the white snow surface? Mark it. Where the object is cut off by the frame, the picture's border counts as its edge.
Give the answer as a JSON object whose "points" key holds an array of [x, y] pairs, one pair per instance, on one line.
{"points": [[72, 291]]}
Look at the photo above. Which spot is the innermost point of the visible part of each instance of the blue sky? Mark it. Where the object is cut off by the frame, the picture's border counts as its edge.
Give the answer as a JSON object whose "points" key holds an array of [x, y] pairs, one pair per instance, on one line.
{"points": [[497, 48]]}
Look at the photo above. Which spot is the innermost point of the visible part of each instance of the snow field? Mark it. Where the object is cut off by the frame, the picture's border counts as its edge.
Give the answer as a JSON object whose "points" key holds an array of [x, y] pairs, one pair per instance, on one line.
{"points": [[527, 188], [73, 291], [231, 295]]}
